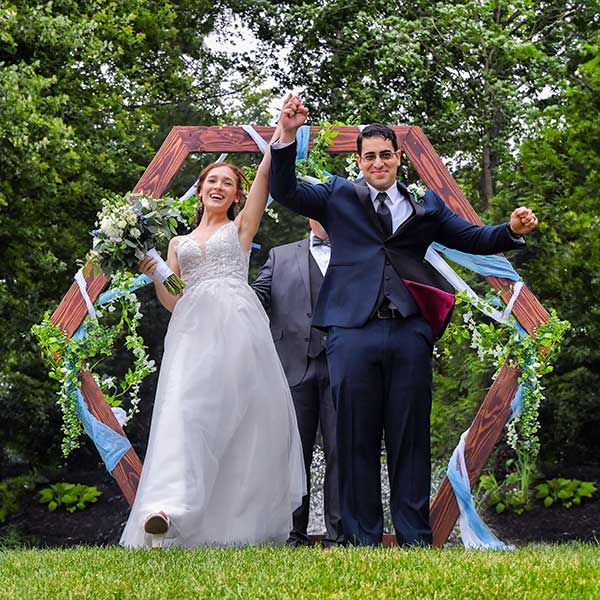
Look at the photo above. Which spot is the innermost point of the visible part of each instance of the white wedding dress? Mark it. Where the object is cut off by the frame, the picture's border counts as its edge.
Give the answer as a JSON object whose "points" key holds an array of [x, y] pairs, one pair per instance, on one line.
{"points": [[224, 457]]}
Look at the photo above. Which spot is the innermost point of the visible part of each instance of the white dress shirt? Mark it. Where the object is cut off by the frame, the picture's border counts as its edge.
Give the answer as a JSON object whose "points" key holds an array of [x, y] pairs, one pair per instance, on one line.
{"points": [[321, 254], [400, 207]]}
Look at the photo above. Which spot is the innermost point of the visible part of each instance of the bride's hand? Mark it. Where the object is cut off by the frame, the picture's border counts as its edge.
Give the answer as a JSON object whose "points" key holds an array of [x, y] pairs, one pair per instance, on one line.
{"points": [[147, 266]]}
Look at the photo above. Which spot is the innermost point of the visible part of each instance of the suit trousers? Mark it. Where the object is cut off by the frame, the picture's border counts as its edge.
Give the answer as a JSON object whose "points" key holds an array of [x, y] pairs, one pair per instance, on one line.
{"points": [[314, 407], [381, 385]]}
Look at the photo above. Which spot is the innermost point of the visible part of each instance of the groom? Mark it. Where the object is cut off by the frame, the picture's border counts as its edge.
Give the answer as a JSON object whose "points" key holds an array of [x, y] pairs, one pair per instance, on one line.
{"points": [[383, 308]]}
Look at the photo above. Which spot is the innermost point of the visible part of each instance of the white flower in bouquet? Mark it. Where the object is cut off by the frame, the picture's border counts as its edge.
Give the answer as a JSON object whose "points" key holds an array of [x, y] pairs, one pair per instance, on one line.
{"points": [[129, 228]]}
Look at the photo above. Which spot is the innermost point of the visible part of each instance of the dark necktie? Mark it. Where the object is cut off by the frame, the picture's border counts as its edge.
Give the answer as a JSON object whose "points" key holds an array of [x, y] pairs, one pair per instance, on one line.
{"points": [[317, 241], [383, 213]]}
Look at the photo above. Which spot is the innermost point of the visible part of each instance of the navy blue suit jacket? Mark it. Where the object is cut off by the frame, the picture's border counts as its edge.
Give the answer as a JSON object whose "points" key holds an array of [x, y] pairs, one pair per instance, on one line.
{"points": [[359, 247]]}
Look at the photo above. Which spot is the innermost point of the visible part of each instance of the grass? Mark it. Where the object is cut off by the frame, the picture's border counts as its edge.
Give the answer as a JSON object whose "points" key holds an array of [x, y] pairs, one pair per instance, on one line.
{"points": [[539, 571]]}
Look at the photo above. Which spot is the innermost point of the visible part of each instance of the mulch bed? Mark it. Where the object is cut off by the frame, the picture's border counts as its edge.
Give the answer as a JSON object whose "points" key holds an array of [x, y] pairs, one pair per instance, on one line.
{"points": [[99, 524], [102, 523]]}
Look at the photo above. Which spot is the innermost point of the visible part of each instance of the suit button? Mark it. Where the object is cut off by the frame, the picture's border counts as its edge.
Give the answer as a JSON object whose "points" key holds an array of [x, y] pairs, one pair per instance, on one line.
{"points": [[387, 261], [387, 277]]}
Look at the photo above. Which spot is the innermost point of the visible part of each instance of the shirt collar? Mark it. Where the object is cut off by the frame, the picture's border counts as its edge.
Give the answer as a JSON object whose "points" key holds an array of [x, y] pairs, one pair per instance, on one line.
{"points": [[393, 193], [312, 237]]}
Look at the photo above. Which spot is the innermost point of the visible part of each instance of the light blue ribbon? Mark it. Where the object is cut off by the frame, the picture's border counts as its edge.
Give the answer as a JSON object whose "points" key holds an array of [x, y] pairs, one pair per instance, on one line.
{"points": [[302, 139], [459, 479], [111, 445], [486, 265]]}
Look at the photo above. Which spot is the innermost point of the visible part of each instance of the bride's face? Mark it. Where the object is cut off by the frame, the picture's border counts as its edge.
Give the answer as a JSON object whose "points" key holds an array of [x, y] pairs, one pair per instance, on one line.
{"points": [[219, 190]]}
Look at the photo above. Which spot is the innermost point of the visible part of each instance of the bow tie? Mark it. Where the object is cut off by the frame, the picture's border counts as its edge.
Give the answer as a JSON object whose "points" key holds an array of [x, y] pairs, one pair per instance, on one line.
{"points": [[317, 241]]}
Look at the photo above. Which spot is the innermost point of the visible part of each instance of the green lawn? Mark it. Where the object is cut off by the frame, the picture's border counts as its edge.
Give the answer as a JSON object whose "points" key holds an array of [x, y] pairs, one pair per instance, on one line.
{"points": [[567, 571]]}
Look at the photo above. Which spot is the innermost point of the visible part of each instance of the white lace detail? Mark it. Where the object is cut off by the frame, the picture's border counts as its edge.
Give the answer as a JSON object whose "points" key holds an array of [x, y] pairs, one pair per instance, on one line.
{"points": [[220, 257]]}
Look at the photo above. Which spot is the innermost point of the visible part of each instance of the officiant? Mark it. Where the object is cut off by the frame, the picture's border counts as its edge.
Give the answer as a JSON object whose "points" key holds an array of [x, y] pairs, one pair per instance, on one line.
{"points": [[288, 287]]}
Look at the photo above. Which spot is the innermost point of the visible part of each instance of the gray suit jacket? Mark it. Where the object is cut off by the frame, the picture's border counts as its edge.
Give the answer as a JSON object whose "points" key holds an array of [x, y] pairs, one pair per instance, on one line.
{"points": [[283, 287]]}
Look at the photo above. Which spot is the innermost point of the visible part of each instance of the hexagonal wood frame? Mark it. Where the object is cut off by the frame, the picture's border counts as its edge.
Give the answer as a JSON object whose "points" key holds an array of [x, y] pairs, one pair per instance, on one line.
{"points": [[489, 422]]}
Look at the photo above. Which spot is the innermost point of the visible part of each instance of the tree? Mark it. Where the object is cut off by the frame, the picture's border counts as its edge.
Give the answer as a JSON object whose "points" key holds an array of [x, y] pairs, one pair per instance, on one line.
{"points": [[468, 72], [558, 175], [87, 93]]}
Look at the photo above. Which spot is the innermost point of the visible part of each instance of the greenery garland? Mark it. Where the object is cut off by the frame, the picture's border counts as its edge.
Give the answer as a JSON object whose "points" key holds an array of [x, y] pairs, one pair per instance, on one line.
{"points": [[316, 162], [532, 355], [66, 358]]}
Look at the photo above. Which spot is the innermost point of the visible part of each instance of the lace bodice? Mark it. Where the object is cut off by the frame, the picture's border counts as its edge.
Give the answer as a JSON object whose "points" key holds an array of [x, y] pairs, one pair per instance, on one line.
{"points": [[221, 256]]}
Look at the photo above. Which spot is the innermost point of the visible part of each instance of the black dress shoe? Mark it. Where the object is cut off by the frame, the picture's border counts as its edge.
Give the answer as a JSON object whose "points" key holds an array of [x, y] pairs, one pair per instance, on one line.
{"points": [[339, 542], [294, 542]]}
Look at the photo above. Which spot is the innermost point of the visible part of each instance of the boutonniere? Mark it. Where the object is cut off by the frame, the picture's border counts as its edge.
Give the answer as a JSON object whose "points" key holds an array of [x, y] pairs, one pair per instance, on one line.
{"points": [[418, 192]]}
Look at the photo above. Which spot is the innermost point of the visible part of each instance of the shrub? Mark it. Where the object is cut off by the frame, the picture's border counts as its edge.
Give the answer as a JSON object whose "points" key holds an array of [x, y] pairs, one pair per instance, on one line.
{"points": [[11, 491], [71, 496], [565, 491]]}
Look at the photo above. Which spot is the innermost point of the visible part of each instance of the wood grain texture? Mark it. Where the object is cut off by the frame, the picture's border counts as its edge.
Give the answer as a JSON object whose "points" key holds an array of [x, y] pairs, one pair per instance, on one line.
{"points": [[164, 166], [485, 430], [71, 311], [128, 471], [234, 140]]}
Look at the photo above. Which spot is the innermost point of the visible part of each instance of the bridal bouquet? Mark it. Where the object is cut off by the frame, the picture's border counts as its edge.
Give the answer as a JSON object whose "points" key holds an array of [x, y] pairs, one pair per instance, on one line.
{"points": [[128, 229]]}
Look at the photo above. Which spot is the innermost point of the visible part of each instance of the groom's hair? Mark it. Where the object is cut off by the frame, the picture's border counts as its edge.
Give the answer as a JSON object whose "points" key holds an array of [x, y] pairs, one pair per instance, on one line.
{"points": [[376, 130]]}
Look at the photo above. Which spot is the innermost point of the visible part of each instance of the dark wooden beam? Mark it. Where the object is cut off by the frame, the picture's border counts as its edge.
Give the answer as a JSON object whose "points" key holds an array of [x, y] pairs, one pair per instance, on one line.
{"points": [[128, 471]]}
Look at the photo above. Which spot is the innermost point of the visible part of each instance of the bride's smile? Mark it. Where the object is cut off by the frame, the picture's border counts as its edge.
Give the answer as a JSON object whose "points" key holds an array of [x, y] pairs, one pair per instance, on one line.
{"points": [[219, 190]]}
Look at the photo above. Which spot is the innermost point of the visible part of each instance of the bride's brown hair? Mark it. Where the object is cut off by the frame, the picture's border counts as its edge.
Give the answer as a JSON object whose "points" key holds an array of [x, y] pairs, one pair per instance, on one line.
{"points": [[235, 208]]}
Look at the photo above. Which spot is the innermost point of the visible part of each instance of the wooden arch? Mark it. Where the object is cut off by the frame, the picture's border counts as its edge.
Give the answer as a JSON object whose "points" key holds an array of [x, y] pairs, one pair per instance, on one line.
{"points": [[493, 414]]}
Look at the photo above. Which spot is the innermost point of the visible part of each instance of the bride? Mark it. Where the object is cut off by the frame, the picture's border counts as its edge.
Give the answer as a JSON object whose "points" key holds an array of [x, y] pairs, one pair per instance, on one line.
{"points": [[224, 461]]}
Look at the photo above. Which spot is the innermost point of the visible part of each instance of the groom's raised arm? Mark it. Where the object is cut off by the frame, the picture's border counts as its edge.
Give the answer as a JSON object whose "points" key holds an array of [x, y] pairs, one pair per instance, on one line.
{"points": [[305, 199], [308, 200]]}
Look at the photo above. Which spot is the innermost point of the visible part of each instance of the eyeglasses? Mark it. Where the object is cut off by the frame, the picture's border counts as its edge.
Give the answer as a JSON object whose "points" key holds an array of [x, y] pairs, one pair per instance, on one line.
{"points": [[372, 156]]}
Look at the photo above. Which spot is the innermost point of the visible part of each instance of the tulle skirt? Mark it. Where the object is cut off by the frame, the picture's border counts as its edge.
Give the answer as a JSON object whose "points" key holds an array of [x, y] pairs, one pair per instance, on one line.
{"points": [[224, 457]]}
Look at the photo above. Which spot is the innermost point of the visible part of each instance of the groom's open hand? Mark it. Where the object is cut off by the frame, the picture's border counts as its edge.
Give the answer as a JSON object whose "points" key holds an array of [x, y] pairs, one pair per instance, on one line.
{"points": [[293, 115], [523, 220]]}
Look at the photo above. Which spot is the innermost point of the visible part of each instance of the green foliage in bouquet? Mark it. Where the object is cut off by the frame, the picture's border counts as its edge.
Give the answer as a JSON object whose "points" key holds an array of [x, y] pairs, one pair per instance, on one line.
{"points": [[130, 226], [70, 496], [568, 492], [131, 221]]}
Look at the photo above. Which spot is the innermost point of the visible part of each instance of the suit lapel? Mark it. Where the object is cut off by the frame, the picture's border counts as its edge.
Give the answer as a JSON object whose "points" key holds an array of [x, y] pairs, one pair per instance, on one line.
{"points": [[302, 252], [364, 196]]}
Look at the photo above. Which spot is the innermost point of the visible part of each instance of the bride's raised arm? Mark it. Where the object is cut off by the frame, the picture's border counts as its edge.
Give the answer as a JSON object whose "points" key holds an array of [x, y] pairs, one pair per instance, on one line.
{"points": [[248, 221]]}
